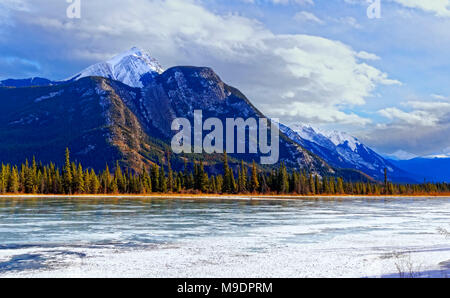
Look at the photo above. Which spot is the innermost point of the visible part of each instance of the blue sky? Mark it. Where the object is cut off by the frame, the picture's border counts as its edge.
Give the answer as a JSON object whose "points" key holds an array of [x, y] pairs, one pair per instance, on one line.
{"points": [[317, 62]]}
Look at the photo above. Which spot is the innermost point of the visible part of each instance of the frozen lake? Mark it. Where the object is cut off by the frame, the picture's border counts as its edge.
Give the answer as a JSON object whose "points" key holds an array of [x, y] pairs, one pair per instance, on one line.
{"points": [[81, 237]]}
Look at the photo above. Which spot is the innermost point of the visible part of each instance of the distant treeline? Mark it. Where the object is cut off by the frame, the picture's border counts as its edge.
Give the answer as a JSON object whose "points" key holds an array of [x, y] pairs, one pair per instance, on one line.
{"points": [[35, 178]]}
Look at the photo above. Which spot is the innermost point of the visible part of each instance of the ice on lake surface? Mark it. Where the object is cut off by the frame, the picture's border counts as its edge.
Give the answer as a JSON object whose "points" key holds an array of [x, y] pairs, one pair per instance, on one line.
{"points": [[82, 237]]}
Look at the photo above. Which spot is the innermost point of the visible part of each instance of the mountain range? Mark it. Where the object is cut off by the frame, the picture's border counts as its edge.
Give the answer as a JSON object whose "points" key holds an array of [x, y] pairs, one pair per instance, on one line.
{"points": [[122, 110], [342, 150]]}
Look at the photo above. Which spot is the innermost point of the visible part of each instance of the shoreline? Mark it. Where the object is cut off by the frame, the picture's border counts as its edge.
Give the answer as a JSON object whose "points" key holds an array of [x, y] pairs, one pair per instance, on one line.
{"points": [[223, 197]]}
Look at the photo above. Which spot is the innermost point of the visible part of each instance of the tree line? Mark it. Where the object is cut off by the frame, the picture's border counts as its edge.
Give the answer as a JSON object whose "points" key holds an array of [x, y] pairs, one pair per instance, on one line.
{"points": [[72, 178]]}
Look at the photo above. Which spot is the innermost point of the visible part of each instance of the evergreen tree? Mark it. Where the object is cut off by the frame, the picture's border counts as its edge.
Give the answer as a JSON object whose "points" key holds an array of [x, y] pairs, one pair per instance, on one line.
{"points": [[162, 180], [13, 183], [312, 185], [283, 180], [95, 183], [385, 181], [242, 178], [67, 173], [340, 186], [254, 181], [154, 174], [170, 179], [204, 179], [228, 178], [120, 179]]}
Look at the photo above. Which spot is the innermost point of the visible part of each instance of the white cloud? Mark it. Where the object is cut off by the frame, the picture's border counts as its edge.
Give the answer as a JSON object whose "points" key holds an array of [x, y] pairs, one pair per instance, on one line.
{"points": [[421, 126], [367, 56], [283, 2], [304, 16], [439, 97], [322, 77], [350, 21], [418, 117], [440, 8]]}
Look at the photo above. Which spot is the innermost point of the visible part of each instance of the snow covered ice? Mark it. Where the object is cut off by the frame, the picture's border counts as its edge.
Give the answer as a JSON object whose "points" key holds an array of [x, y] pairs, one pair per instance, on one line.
{"points": [[217, 238]]}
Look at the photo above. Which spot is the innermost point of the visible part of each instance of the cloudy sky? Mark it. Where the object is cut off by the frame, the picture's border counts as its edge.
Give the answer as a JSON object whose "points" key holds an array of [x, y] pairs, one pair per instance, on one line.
{"points": [[318, 62]]}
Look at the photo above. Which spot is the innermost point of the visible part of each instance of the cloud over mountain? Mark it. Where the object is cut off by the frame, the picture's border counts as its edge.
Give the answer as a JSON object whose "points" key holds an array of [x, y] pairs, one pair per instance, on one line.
{"points": [[299, 76]]}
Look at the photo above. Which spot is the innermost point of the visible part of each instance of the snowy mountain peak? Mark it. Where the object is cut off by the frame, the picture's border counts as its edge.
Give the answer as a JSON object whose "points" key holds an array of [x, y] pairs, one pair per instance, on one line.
{"points": [[342, 138], [322, 137], [134, 67], [306, 132]]}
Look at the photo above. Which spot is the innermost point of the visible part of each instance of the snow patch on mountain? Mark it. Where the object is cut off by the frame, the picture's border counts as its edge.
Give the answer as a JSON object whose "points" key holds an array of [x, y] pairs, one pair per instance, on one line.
{"points": [[51, 95], [133, 68]]}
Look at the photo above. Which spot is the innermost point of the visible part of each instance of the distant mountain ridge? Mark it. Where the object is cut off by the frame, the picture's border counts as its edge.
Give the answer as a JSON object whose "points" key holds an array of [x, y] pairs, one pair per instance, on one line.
{"points": [[342, 150], [31, 82], [428, 169]]}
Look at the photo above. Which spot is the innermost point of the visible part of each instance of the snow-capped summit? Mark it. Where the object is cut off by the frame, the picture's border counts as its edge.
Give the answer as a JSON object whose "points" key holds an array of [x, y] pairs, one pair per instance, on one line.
{"points": [[343, 138], [326, 138], [134, 68], [309, 133]]}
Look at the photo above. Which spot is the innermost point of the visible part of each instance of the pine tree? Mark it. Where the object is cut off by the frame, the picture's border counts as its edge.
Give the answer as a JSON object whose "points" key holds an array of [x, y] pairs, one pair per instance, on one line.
{"points": [[242, 178], [317, 183], [340, 186], [283, 180], [147, 181], [170, 179], [312, 185], [13, 183], [80, 180], [155, 178], [162, 180], [254, 180], [385, 181], [95, 183], [67, 173], [228, 176], [107, 181], [203, 179]]}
